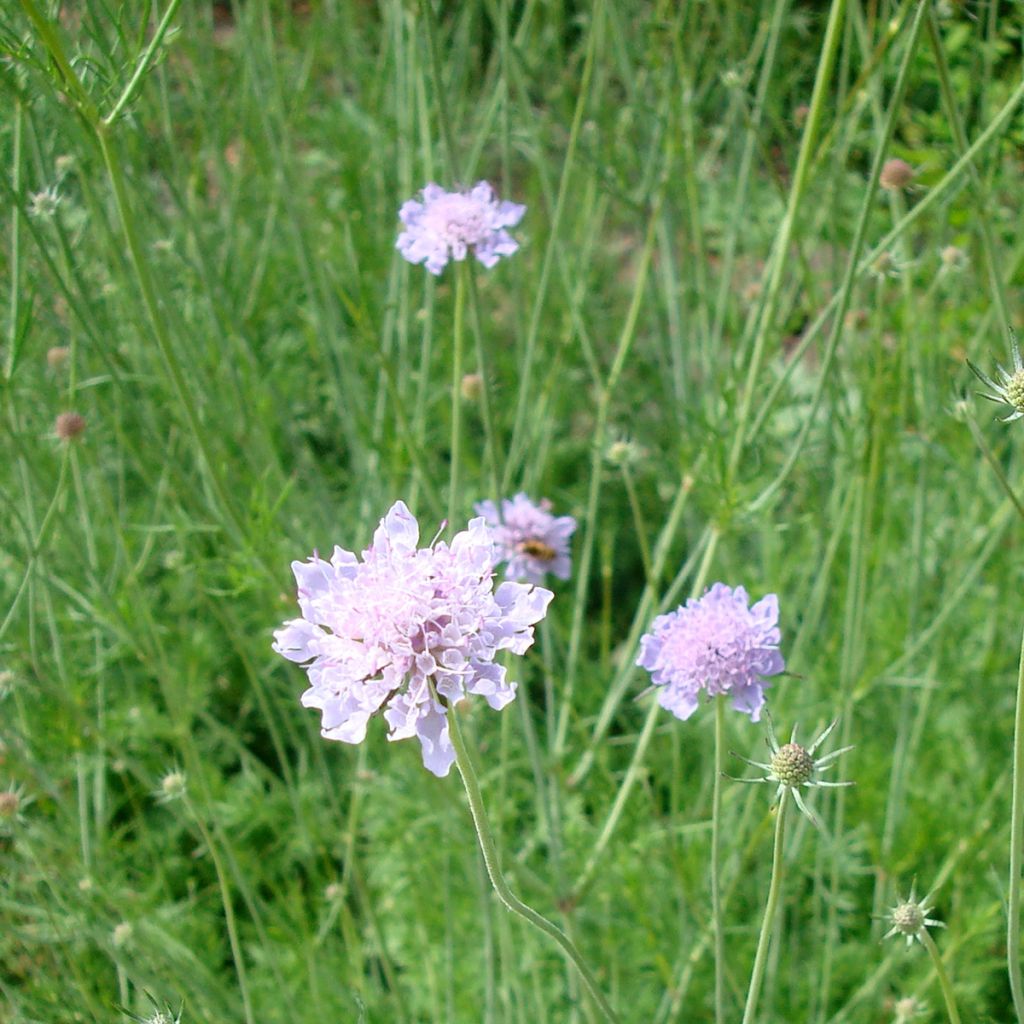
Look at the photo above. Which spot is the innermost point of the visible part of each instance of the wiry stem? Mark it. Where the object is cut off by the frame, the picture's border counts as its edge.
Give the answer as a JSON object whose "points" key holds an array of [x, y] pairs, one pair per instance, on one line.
{"points": [[501, 888], [716, 860], [457, 348], [1016, 847], [761, 957], [940, 969]]}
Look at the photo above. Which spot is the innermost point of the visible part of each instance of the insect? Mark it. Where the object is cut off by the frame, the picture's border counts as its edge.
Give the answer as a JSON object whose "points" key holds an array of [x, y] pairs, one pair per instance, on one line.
{"points": [[536, 549]]}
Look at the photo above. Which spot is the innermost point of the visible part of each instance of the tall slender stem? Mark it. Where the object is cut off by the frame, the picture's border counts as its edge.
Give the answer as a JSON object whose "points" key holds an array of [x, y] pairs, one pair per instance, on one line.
{"points": [[1016, 846], [818, 105], [940, 969], [491, 861], [761, 956], [716, 860], [457, 347]]}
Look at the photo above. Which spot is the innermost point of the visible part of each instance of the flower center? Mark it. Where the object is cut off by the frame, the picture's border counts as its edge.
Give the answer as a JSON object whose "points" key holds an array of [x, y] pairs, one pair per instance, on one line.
{"points": [[792, 765], [457, 218]]}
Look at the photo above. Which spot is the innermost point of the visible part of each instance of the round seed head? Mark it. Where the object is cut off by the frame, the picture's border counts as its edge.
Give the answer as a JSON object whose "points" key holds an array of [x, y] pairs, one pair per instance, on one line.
{"points": [[907, 1009], [57, 356], [908, 918], [896, 174], [792, 765], [952, 257], [1015, 391], [9, 804], [472, 387], [172, 786], [69, 425]]}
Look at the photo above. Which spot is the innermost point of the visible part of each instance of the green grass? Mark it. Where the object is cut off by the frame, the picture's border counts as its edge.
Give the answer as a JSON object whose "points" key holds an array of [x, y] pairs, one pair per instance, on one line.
{"points": [[262, 375]]}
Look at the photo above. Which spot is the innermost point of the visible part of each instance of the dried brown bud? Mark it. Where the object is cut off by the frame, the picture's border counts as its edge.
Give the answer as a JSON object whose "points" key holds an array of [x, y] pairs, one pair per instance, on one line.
{"points": [[472, 387], [69, 425], [9, 804], [57, 356], [896, 174]]}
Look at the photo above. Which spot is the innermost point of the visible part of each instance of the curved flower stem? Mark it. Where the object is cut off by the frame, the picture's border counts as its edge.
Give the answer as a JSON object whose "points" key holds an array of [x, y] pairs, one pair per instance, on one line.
{"points": [[940, 969], [761, 957], [501, 888], [716, 860], [1016, 845], [457, 346]]}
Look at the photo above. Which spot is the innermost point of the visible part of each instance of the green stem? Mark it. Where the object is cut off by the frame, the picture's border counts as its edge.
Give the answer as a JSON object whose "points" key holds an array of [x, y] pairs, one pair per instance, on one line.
{"points": [[940, 969], [490, 854], [1016, 846], [994, 464], [640, 751], [716, 860], [977, 192], [457, 347], [144, 61], [850, 274], [764, 940], [819, 102], [229, 912]]}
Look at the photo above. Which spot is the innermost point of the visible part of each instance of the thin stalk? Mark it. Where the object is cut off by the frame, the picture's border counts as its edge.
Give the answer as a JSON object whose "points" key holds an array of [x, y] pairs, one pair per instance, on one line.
{"points": [[990, 458], [850, 275], [716, 861], [940, 969], [501, 888], [526, 397], [977, 192], [229, 912], [15, 310], [639, 751], [819, 102], [144, 61], [774, 889], [1016, 846], [457, 350]]}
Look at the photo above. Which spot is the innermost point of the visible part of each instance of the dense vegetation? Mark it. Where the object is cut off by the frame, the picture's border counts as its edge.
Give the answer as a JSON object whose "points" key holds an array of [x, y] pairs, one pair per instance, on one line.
{"points": [[722, 347]]}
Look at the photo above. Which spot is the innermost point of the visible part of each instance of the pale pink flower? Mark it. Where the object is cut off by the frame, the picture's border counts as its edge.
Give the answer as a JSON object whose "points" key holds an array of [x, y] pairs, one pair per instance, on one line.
{"points": [[378, 635], [447, 225]]}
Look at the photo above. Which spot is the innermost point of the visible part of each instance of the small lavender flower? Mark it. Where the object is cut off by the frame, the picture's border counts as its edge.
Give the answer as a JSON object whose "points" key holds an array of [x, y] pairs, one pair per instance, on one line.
{"points": [[1011, 391], [407, 631], [716, 643], [446, 225], [529, 538]]}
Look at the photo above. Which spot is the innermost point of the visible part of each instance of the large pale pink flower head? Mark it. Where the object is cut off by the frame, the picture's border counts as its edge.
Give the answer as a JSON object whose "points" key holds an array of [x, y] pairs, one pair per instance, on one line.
{"points": [[529, 538], [376, 634], [447, 225], [717, 643]]}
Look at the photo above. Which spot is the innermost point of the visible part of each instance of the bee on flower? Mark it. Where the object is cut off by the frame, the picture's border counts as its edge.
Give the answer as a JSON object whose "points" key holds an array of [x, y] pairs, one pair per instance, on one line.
{"points": [[529, 539]]}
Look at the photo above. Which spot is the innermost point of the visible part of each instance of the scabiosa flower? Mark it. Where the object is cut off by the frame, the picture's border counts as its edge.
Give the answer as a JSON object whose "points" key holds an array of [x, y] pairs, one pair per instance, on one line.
{"points": [[716, 643], [407, 631], [793, 766], [1011, 391], [529, 538], [909, 918], [446, 225]]}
